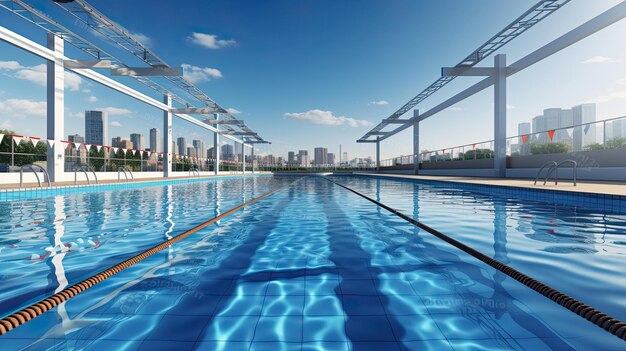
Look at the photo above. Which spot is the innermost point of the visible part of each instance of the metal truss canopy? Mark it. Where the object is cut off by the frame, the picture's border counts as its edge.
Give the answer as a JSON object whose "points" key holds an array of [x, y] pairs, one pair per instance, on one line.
{"points": [[528, 19]]}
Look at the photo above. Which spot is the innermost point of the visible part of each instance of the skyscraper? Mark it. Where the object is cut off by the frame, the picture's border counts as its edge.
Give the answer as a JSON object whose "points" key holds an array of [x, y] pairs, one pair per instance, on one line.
{"points": [[76, 138], [96, 127], [584, 135], [523, 129], [199, 146], [331, 158], [137, 140], [228, 152], [291, 158], [303, 158], [321, 156], [182, 146], [345, 157], [155, 142], [116, 142]]}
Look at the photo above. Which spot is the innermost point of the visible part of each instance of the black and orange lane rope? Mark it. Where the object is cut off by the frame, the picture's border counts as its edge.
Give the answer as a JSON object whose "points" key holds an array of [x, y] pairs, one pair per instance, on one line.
{"points": [[604, 321], [18, 318]]}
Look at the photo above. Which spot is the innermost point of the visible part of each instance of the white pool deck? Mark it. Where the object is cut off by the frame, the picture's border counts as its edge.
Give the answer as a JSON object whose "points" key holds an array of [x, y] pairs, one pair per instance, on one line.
{"points": [[594, 187]]}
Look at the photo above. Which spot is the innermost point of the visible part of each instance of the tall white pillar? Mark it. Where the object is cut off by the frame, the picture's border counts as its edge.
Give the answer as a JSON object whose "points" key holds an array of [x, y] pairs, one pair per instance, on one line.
{"points": [[499, 122], [252, 157], [243, 158], [167, 137], [416, 142], [56, 109], [377, 154], [216, 146]]}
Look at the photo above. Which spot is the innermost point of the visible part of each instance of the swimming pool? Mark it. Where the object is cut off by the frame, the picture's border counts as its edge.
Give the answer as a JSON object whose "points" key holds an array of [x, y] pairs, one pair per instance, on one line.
{"points": [[311, 267]]}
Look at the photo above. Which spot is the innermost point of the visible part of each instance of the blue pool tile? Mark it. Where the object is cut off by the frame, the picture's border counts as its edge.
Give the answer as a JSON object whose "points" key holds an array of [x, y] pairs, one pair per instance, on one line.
{"points": [[240, 305], [284, 329], [179, 328], [223, 345], [322, 305], [275, 346], [375, 346], [358, 287], [400, 305], [322, 287], [286, 287], [355, 305], [430, 345], [369, 328], [156, 345], [283, 305], [396, 287], [250, 288], [484, 344], [416, 327], [326, 346], [476, 326], [215, 286], [324, 328], [231, 329]]}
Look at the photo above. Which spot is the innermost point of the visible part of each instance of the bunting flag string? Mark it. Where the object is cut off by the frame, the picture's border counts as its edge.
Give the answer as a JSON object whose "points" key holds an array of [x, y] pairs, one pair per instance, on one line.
{"points": [[1, 137], [98, 147], [88, 147], [134, 152], [50, 143], [587, 127], [570, 132], [77, 145], [17, 139], [34, 140], [65, 144], [473, 146], [551, 134], [115, 149]]}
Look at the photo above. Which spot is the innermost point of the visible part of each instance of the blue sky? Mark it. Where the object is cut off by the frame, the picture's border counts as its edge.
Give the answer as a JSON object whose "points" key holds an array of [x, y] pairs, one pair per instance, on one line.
{"points": [[321, 73]]}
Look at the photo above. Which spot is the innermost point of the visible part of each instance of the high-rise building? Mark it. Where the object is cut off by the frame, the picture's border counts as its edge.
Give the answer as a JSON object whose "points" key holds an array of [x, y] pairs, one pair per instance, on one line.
{"points": [[199, 146], [209, 153], [76, 138], [191, 151], [228, 152], [173, 150], [345, 157], [182, 146], [524, 129], [137, 140], [96, 127], [291, 158], [584, 135], [155, 141], [126, 144], [303, 158], [552, 119], [321, 156], [331, 158], [116, 142]]}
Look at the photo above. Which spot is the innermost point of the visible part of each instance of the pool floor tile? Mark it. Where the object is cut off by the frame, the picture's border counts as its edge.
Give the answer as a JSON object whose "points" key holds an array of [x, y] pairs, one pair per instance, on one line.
{"points": [[179, 328], [157, 345], [283, 305], [324, 328], [227, 328], [223, 345], [369, 328], [279, 329], [363, 305], [326, 346]]}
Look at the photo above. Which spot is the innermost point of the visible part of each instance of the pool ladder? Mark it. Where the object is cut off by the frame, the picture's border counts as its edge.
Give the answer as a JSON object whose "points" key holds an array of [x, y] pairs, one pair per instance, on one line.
{"points": [[193, 171], [123, 169], [84, 169], [553, 166], [32, 168]]}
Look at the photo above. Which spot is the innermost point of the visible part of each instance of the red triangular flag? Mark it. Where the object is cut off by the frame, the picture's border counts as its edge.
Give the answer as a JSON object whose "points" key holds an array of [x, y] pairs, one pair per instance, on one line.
{"points": [[524, 138], [551, 134], [473, 146]]}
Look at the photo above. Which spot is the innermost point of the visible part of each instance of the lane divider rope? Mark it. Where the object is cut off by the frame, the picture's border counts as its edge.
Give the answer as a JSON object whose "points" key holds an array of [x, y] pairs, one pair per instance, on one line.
{"points": [[604, 321], [16, 319]]}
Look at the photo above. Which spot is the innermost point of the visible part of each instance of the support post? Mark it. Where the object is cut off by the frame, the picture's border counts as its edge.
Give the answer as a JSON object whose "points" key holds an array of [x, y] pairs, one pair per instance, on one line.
{"points": [[499, 134], [416, 141], [167, 137], [252, 157], [216, 145], [377, 154], [243, 158], [56, 108]]}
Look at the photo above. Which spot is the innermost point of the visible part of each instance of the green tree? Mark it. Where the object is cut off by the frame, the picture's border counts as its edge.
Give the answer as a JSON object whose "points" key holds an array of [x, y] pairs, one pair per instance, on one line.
{"points": [[550, 148]]}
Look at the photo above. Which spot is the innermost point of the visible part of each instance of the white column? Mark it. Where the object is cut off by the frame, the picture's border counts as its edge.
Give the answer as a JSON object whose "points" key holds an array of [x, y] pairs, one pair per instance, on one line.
{"points": [[167, 137], [416, 141], [243, 158], [252, 157], [499, 123], [56, 109], [216, 146], [377, 154]]}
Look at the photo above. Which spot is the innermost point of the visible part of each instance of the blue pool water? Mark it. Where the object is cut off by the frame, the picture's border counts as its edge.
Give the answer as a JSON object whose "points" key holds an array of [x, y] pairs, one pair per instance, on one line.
{"points": [[312, 267]]}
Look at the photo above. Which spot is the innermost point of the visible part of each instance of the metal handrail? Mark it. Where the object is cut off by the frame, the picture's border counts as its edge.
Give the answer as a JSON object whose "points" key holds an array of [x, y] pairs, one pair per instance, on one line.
{"points": [[552, 165], [193, 171], [118, 173], [31, 166], [75, 169], [556, 170], [94, 172]]}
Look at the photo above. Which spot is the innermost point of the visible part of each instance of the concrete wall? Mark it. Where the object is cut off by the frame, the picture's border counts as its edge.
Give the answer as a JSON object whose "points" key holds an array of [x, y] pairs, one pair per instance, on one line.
{"points": [[465, 164]]}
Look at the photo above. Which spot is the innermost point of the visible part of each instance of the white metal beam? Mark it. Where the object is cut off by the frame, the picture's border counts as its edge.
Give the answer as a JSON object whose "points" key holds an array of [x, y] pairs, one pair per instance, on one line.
{"points": [[157, 71], [467, 71], [87, 64], [55, 109]]}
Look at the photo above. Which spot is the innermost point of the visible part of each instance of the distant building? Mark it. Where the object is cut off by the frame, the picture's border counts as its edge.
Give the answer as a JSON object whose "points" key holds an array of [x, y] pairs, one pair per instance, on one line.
{"points": [[137, 140], [584, 135], [199, 146], [291, 158], [191, 152], [523, 146], [331, 158], [126, 144], [182, 146], [76, 138], [228, 152], [321, 156], [345, 157], [96, 127], [210, 153], [155, 140], [116, 142], [303, 158]]}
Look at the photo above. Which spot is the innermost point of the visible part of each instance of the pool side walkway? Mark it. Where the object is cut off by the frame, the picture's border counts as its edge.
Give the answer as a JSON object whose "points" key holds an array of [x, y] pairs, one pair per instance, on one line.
{"points": [[593, 187]]}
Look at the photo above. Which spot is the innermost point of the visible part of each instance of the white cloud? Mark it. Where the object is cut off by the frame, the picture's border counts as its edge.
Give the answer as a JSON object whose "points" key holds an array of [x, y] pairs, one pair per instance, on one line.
{"points": [[116, 124], [621, 81], [10, 65], [510, 107], [616, 95], [92, 98], [115, 111], [142, 38], [602, 59], [196, 74], [37, 74], [22, 108], [233, 111], [378, 103], [456, 109], [327, 118], [210, 41]]}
